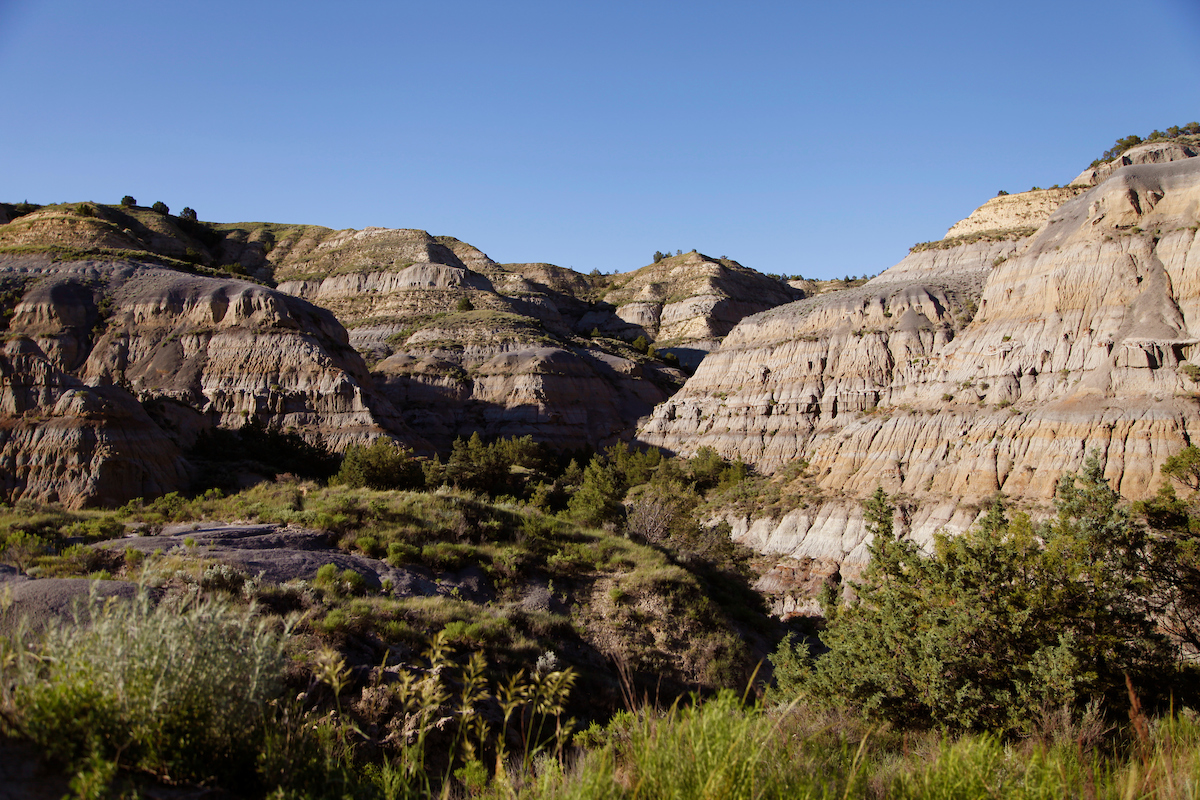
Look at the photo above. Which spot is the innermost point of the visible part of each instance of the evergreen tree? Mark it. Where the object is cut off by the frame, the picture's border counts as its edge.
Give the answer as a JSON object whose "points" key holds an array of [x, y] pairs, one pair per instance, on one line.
{"points": [[598, 499], [383, 464]]}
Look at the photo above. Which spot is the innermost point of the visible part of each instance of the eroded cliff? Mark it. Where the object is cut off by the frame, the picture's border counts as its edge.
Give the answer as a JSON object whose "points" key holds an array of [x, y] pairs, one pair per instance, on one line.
{"points": [[983, 364], [112, 369], [457, 342], [460, 343]]}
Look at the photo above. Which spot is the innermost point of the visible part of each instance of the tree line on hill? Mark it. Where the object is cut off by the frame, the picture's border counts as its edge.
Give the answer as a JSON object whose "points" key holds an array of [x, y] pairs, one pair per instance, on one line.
{"points": [[1133, 140]]}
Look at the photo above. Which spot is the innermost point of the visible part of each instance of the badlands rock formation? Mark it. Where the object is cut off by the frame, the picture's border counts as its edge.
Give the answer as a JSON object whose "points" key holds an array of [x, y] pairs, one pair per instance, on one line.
{"points": [[1156, 152], [981, 364], [687, 303], [1013, 213], [111, 369], [460, 343], [131, 333]]}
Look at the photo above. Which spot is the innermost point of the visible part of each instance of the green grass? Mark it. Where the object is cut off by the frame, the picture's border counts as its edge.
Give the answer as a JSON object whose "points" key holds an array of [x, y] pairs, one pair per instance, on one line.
{"points": [[369, 695], [1010, 235], [169, 690]]}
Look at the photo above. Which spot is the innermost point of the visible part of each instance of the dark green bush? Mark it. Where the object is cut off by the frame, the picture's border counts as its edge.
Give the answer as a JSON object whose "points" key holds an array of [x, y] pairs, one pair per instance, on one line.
{"points": [[128, 202], [399, 553], [383, 464], [998, 622], [160, 207]]}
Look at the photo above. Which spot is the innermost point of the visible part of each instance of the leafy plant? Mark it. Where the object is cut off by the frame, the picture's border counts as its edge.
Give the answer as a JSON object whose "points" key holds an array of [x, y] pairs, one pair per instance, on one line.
{"points": [[1001, 619], [172, 691], [384, 464]]}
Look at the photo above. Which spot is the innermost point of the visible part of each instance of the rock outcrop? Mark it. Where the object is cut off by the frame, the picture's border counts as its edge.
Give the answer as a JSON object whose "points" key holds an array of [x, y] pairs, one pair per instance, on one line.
{"points": [[460, 343], [990, 363], [457, 342], [1025, 211], [687, 303], [1156, 152], [112, 369]]}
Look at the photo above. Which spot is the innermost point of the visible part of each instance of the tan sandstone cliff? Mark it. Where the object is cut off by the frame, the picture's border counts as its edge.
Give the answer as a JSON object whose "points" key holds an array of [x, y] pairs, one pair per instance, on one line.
{"points": [[460, 343], [111, 369], [992, 363], [686, 303]]}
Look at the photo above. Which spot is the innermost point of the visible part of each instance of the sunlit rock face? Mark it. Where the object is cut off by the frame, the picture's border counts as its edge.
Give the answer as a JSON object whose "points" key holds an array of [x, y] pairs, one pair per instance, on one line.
{"points": [[988, 362], [459, 343], [111, 369]]}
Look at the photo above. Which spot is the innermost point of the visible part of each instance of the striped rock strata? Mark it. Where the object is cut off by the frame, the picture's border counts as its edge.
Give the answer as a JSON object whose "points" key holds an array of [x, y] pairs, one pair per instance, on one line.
{"points": [[990, 365], [516, 359], [110, 370]]}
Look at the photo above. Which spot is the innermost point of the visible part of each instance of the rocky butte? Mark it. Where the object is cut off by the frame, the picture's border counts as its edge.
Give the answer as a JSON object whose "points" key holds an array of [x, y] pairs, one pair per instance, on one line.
{"points": [[1046, 326], [130, 332]]}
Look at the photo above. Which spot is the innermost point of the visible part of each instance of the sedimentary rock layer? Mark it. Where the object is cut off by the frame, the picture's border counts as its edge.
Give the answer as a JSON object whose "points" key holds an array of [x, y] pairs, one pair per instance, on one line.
{"points": [[112, 369], [993, 365], [459, 343]]}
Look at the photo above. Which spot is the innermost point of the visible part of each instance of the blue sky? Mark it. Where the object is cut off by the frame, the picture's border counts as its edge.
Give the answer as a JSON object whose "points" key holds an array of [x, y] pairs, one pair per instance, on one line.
{"points": [[820, 139]]}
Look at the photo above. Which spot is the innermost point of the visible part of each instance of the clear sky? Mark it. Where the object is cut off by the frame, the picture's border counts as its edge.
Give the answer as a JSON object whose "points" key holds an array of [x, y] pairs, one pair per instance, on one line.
{"points": [[820, 139]]}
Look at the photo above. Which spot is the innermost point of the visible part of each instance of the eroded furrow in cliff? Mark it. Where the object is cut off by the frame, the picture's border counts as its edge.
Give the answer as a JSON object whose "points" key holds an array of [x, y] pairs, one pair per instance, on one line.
{"points": [[995, 360]]}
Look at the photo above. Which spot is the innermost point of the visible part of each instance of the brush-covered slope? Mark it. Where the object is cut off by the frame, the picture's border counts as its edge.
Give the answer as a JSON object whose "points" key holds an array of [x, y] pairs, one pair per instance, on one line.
{"points": [[111, 369], [983, 363]]}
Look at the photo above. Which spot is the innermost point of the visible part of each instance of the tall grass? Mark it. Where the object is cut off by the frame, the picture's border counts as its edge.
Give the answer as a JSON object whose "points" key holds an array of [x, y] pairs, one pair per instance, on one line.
{"points": [[191, 692], [721, 748], [178, 691]]}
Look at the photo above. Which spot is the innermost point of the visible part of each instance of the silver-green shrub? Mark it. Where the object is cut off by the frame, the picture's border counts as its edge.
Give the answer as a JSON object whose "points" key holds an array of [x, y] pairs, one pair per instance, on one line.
{"points": [[175, 691]]}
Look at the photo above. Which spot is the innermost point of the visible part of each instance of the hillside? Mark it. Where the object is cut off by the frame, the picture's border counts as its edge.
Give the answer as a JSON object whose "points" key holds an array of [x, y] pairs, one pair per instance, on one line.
{"points": [[391, 332], [112, 369], [986, 362]]}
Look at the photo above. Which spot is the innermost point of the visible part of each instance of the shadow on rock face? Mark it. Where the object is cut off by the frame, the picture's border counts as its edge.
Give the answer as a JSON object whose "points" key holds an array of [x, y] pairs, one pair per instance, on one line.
{"points": [[41, 600], [278, 554]]}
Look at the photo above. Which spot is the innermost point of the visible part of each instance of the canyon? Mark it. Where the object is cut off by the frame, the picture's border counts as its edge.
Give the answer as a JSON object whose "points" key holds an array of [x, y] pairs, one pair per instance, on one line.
{"points": [[1047, 326]]}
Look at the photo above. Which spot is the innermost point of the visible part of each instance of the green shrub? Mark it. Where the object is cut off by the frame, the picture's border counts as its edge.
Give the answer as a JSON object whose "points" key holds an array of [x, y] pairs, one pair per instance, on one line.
{"points": [[399, 553], [222, 578], [369, 545], [160, 207], [1001, 620], [176, 692], [128, 202], [345, 582], [446, 555], [383, 464]]}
